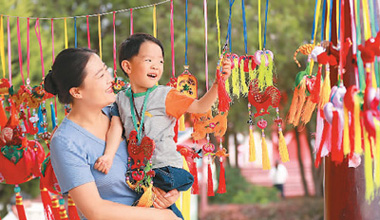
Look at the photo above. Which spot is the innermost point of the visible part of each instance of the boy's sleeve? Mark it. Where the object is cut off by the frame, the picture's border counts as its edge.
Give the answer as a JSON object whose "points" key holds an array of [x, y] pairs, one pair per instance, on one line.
{"points": [[115, 110], [177, 104]]}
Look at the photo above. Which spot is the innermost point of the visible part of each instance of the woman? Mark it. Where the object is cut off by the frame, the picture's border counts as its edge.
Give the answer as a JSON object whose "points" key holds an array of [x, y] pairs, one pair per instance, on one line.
{"points": [[80, 78]]}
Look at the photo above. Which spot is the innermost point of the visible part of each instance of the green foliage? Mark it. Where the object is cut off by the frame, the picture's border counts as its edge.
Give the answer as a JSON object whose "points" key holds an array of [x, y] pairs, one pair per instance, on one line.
{"points": [[239, 191]]}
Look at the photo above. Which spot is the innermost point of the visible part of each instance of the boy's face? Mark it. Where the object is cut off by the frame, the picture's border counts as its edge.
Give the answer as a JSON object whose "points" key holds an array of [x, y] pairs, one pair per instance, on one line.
{"points": [[145, 69]]}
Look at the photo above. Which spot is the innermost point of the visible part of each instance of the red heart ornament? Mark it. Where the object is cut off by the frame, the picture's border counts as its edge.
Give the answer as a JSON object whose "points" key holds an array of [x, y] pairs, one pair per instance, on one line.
{"points": [[138, 175], [310, 83], [262, 124]]}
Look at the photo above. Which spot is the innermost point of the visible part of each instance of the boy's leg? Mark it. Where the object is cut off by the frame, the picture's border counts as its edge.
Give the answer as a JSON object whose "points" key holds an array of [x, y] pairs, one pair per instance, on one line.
{"points": [[169, 178]]}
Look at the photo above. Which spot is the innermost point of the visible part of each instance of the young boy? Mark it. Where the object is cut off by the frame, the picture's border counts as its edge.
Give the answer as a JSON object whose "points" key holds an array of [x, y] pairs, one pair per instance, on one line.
{"points": [[155, 108]]}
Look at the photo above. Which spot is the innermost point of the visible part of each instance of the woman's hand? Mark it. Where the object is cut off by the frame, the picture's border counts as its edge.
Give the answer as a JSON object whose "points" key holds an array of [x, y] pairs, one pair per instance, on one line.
{"points": [[163, 200]]}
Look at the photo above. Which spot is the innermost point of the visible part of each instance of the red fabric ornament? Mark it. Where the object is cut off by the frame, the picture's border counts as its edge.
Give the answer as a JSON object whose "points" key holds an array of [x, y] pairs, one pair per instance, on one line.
{"points": [[190, 155], [48, 178], [140, 152], [262, 100]]}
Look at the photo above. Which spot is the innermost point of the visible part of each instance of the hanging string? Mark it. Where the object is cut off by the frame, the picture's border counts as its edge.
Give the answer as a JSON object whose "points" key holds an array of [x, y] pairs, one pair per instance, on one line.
{"points": [[244, 26], [172, 35], [228, 37], [27, 51], [323, 25], [155, 21], [114, 45], [376, 10], [52, 40], [338, 15], [2, 53], [218, 26], [206, 39], [20, 51], [354, 49], [88, 33], [328, 23], [259, 14], [66, 40], [100, 36], [75, 32], [9, 52], [265, 26], [315, 21], [358, 42], [38, 34], [341, 23], [131, 12], [186, 33], [372, 16]]}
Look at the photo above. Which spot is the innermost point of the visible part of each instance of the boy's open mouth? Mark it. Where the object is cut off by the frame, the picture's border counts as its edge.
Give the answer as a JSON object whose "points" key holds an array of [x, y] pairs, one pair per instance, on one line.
{"points": [[152, 75]]}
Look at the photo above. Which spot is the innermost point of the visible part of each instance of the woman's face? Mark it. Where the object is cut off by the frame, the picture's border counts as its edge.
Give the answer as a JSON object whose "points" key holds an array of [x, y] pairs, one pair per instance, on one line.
{"points": [[96, 89]]}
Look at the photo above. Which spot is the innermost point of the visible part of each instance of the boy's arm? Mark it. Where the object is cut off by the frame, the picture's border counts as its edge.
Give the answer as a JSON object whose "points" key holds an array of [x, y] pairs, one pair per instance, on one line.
{"points": [[114, 136], [204, 104]]}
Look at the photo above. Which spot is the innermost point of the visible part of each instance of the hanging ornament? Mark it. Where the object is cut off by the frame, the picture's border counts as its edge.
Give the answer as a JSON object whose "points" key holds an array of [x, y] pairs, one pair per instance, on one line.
{"points": [[208, 152], [190, 155]]}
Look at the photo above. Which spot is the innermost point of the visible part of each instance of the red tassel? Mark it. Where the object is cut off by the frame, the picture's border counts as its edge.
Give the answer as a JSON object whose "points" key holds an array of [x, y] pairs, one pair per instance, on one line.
{"points": [[20, 207], [222, 179], [3, 116], [317, 86], [73, 213], [352, 135], [246, 62], [55, 207], [336, 153], [175, 138], [210, 184], [194, 172], [326, 129], [46, 201], [63, 213], [224, 98]]}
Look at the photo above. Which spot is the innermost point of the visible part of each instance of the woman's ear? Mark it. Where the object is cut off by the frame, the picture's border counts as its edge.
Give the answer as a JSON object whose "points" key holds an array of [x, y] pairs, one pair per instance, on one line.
{"points": [[126, 66], [74, 92]]}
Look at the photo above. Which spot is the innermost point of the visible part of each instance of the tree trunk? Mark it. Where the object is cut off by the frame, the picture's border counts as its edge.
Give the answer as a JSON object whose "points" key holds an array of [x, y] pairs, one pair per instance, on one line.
{"points": [[317, 173], [302, 170]]}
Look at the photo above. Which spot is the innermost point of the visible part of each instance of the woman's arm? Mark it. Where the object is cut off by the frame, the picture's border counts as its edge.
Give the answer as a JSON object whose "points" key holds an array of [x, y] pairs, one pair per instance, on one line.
{"points": [[89, 202]]}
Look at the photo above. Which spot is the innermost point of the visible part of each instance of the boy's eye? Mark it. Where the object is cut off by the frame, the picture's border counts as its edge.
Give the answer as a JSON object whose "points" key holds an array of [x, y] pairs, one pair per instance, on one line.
{"points": [[148, 60], [162, 62]]}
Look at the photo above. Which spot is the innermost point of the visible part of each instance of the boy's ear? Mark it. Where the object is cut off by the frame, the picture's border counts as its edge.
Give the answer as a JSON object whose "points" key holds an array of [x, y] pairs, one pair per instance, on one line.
{"points": [[74, 92], [126, 66]]}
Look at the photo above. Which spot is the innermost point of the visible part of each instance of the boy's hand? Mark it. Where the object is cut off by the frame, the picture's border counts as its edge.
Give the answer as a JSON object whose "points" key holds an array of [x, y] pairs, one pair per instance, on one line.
{"points": [[104, 163], [226, 67]]}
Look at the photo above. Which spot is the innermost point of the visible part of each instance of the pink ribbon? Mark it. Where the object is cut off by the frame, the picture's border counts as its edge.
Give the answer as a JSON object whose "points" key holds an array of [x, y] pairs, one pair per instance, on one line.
{"points": [[88, 34], [9, 52], [206, 60], [38, 34], [27, 51], [131, 11], [172, 36], [19, 50], [114, 44]]}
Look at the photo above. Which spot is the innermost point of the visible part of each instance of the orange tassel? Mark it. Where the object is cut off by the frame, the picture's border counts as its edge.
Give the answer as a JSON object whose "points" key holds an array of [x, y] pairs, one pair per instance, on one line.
{"points": [[308, 110], [222, 178], [265, 155], [146, 200], [210, 184], [46, 201], [299, 103], [252, 150], [282, 148], [73, 213]]}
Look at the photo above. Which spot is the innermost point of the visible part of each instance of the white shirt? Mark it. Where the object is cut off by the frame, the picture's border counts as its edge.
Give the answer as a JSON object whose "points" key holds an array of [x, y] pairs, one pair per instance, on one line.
{"points": [[278, 175]]}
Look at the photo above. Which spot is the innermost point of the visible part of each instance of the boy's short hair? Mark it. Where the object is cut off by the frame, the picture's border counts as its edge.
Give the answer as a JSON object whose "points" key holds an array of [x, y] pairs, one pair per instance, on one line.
{"points": [[131, 46]]}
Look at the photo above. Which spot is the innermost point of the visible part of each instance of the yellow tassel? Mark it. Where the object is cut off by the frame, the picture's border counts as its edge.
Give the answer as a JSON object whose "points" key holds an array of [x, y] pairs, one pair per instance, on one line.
{"points": [[146, 200], [243, 84], [346, 134], [358, 130], [377, 154], [261, 73], [326, 89], [252, 150], [186, 196], [269, 74], [227, 84], [252, 74], [282, 148], [307, 110], [265, 155], [181, 123], [235, 80], [369, 192]]}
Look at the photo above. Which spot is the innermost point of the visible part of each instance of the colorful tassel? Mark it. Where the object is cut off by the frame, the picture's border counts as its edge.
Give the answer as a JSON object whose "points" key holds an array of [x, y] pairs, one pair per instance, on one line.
{"points": [[369, 192], [252, 149], [265, 155], [298, 102], [235, 80], [317, 87], [73, 213], [62, 213], [53, 119], [262, 72], [210, 184], [222, 178], [326, 89], [358, 127], [346, 135], [181, 123], [55, 207], [377, 155], [146, 200], [46, 201], [243, 84], [283, 149], [224, 98], [19, 204]]}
